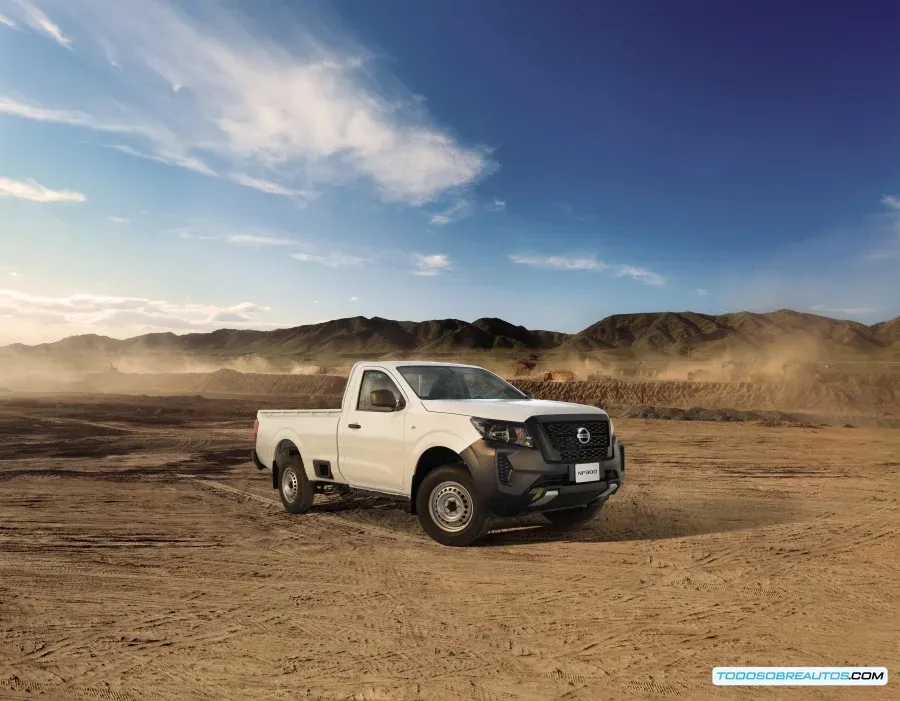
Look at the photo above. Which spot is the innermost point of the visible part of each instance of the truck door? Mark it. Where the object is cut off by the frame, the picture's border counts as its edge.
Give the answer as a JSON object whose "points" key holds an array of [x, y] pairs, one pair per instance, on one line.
{"points": [[370, 438]]}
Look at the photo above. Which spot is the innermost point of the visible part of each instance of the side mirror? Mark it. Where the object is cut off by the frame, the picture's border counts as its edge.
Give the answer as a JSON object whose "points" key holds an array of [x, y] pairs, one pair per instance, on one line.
{"points": [[529, 394], [383, 399]]}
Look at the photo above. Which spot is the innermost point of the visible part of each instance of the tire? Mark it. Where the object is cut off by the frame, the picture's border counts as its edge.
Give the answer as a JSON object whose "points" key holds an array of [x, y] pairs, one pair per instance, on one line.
{"points": [[569, 518], [294, 487], [449, 509]]}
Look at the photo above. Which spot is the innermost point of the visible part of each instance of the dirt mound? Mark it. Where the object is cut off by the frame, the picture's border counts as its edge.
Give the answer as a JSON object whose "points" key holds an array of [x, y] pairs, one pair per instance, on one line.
{"points": [[864, 394], [860, 394], [225, 382], [762, 418], [232, 382]]}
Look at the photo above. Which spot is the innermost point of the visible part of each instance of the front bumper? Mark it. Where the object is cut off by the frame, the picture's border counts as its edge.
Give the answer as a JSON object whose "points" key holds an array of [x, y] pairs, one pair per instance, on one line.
{"points": [[512, 480]]}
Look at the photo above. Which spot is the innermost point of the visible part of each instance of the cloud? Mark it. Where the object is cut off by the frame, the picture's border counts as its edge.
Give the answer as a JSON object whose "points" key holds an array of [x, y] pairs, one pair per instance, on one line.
{"points": [[32, 317], [256, 239], [577, 216], [891, 201], [168, 158], [560, 262], [589, 263], [332, 260], [35, 18], [849, 311], [317, 107], [701, 292], [261, 240], [35, 192], [885, 245], [119, 220], [109, 51], [7, 21], [354, 299], [429, 265], [75, 118], [243, 312], [460, 209], [197, 165], [13, 274], [496, 205], [269, 187], [641, 275]]}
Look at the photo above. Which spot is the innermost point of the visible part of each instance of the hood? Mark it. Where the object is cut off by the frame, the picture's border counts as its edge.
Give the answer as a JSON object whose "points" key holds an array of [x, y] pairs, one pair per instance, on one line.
{"points": [[517, 410]]}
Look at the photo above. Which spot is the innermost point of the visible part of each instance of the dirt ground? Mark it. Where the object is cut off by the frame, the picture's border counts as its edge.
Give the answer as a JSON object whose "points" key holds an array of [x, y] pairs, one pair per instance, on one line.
{"points": [[143, 557]]}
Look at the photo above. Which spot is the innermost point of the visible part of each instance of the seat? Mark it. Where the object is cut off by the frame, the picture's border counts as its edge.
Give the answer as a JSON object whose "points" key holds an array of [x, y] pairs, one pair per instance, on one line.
{"points": [[439, 390]]}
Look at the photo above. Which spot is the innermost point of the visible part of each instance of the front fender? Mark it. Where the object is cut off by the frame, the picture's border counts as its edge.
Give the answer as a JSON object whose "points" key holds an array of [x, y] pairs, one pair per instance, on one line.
{"points": [[438, 438]]}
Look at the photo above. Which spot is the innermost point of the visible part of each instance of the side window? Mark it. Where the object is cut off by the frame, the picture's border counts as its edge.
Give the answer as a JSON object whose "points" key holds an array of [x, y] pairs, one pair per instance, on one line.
{"points": [[373, 380]]}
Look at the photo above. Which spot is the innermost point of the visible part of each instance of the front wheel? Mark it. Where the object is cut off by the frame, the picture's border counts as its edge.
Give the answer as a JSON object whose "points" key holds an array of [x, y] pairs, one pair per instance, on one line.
{"points": [[449, 509], [568, 518]]}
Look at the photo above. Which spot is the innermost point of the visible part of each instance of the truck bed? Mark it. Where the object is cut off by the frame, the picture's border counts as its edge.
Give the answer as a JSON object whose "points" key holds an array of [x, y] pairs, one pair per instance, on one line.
{"points": [[313, 431]]}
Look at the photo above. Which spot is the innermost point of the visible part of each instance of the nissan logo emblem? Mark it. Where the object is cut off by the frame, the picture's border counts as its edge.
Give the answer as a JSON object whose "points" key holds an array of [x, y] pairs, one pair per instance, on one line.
{"points": [[584, 436]]}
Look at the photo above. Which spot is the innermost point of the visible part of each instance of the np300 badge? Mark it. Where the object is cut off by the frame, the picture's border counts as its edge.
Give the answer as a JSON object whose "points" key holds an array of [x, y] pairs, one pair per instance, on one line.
{"points": [[584, 436]]}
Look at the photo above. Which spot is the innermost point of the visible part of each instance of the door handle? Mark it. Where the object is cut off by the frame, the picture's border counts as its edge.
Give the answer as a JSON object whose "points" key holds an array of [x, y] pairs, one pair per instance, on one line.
{"points": [[353, 426]]}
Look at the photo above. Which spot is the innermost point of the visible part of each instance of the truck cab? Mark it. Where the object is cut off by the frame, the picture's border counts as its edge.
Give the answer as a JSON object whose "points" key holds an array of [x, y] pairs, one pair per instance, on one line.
{"points": [[457, 442]]}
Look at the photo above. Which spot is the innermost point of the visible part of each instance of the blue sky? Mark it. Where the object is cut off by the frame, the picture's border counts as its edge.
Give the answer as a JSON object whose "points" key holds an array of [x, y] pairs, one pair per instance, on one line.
{"points": [[186, 166]]}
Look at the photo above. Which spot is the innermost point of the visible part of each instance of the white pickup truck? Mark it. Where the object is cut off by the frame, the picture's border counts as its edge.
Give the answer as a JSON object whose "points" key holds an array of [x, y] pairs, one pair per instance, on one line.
{"points": [[458, 442]]}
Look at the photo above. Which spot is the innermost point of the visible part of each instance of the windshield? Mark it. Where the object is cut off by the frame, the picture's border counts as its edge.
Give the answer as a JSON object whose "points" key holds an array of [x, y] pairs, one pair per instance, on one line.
{"points": [[442, 382]]}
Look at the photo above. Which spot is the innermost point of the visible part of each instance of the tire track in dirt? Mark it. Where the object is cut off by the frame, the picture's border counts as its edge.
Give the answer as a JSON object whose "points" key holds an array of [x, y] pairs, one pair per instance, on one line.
{"points": [[694, 564], [316, 520], [316, 525], [31, 689]]}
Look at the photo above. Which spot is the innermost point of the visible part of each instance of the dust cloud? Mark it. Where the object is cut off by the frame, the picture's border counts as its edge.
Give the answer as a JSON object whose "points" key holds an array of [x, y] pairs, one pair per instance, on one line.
{"points": [[794, 375]]}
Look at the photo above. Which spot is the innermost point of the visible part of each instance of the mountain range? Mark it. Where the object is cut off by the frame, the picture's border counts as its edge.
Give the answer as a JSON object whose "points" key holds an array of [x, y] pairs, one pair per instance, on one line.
{"points": [[666, 333]]}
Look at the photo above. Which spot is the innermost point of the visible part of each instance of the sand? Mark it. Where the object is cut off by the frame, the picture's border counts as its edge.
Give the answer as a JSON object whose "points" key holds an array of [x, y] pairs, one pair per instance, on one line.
{"points": [[143, 557]]}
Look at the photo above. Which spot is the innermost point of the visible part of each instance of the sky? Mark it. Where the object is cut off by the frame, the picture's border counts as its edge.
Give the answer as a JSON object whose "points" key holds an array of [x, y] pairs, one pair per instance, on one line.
{"points": [[185, 166]]}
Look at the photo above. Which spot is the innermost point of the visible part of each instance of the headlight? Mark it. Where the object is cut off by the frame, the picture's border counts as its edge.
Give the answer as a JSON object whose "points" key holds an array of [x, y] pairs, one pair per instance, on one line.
{"points": [[503, 432], [612, 429]]}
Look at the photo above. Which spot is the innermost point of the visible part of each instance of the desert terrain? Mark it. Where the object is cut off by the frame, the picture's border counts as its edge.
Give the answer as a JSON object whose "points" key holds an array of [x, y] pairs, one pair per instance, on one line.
{"points": [[143, 557]]}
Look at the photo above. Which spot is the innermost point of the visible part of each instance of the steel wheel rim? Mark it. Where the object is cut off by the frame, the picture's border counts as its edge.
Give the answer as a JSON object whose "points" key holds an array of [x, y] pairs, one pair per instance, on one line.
{"points": [[290, 485], [450, 507]]}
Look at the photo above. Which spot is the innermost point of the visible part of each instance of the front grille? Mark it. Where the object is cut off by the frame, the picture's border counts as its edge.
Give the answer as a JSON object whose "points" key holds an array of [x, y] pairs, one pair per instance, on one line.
{"points": [[503, 468], [563, 437]]}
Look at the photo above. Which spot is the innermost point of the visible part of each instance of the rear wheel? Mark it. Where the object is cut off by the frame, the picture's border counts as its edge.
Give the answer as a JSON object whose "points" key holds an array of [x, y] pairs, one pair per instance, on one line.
{"points": [[568, 518], [448, 507], [294, 487]]}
